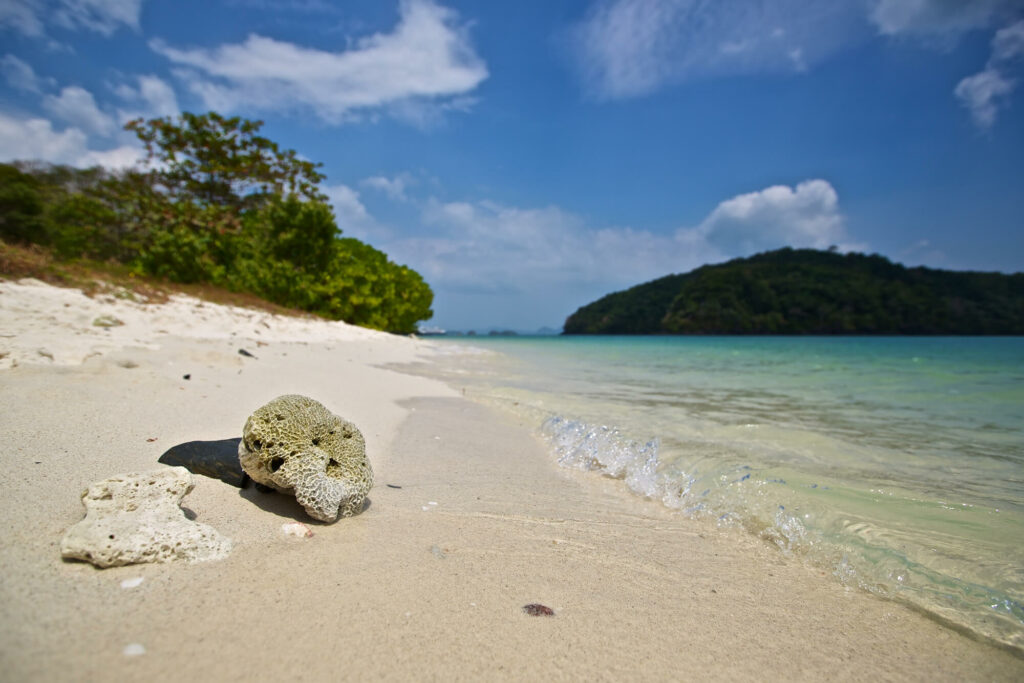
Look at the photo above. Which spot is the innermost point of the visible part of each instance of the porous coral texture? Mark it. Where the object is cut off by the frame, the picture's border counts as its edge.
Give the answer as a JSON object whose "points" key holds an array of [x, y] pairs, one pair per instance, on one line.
{"points": [[135, 517], [295, 445]]}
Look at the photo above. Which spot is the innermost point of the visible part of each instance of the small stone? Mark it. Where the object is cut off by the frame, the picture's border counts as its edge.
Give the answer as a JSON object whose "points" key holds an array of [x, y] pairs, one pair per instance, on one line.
{"points": [[132, 583], [107, 321], [137, 517], [134, 650], [537, 610], [297, 529], [243, 352]]}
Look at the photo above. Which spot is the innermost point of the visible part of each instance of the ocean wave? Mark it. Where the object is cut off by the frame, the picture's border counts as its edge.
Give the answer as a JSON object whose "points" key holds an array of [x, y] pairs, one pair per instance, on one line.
{"points": [[733, 495]]}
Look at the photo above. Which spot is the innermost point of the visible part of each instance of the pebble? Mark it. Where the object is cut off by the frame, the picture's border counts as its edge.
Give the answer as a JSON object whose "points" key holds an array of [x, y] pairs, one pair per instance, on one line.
{"points": [[296, 529], [134, 650], [131, 583]]}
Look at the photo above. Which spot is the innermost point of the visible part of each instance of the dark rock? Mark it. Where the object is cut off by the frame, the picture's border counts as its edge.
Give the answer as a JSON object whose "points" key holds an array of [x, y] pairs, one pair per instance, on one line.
{"points": [[393, 486], [186, 376], [214, 459], [243, 352]]}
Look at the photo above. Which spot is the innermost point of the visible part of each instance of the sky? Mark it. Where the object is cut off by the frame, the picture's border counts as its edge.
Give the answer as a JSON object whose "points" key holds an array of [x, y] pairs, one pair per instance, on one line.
{"points": [[530, 156]]}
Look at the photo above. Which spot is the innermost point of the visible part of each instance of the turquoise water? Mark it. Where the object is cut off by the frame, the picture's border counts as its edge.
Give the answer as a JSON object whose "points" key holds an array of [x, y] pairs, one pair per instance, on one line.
{"points": [[895, 463]]}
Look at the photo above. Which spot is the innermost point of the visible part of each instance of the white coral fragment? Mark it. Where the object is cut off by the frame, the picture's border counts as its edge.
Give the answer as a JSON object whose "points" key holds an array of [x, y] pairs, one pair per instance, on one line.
{"points": [[137, 517], [297, 446]]}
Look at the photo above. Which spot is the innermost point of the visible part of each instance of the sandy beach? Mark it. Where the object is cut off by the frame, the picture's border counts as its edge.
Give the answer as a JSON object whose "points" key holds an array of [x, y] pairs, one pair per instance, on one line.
{"points": [[469, 520]]}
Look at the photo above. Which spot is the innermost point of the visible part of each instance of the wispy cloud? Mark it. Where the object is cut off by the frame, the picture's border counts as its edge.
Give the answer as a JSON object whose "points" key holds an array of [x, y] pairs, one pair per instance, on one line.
{"points": [[983, 92], [394, 188], [941, 19], [102, 16], [626, 48], [631, 48], [427, 63], [20, 75]]}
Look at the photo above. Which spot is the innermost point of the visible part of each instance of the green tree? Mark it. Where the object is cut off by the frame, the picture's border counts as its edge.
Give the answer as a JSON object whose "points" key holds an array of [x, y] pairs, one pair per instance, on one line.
{"points": [[21, 206], [215, 160]]}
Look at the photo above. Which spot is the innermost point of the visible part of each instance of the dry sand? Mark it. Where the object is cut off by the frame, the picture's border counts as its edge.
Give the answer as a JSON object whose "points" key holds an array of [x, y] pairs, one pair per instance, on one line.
{"points": [[428, 583]]}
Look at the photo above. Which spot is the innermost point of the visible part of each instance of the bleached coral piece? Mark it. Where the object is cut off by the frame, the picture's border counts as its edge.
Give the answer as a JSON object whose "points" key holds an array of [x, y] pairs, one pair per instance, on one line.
{"points": [[297, 446], [137, 517]]}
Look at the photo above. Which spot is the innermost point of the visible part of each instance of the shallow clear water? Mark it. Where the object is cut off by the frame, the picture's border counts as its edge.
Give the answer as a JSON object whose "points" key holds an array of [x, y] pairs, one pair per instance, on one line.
{"points": [[898, 463]]}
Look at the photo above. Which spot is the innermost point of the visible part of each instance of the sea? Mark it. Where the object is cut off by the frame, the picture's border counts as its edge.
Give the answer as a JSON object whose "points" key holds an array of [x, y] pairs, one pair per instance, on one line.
{"points": [[895, 464]]}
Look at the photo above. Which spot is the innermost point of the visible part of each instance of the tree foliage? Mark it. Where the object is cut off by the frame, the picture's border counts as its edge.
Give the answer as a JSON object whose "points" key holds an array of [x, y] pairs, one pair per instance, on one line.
{"points": [[811, 292], [218, 204], [213, 160]]}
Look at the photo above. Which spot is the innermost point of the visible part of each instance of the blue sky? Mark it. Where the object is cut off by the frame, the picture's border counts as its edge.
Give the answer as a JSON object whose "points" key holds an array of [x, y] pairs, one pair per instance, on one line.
{"points": [[528, 157]]}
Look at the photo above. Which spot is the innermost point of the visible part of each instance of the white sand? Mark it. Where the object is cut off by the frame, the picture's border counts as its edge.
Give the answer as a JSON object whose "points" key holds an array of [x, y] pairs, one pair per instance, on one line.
{"points": [[426, 584]]}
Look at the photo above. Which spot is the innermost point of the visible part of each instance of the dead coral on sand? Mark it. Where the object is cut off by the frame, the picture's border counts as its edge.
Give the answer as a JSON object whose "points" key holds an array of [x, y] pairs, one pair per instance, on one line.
{"points": [[295, 445]]}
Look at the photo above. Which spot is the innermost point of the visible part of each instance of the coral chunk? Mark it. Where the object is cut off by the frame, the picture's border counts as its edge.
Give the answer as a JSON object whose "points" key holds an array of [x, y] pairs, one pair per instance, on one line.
{"points": [[296, 446], [136, 517]]}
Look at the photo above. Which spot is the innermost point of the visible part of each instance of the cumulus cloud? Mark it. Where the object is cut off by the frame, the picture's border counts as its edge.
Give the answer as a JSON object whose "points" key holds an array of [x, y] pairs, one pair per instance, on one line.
{"points": [[36, 139], [102, 16], [485, 244], [426, 61], [983, 92], [78, 107], [501, 261], [628, 48], [803, 216]]}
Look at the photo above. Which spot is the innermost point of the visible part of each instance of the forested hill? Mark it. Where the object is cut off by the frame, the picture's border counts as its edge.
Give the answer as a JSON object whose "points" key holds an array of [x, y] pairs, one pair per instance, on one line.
{"points": [[805, 291]]}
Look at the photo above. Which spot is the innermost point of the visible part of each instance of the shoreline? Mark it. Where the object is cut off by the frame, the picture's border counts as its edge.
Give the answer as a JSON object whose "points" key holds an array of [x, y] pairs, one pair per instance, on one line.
{"points": [[406, 589]]}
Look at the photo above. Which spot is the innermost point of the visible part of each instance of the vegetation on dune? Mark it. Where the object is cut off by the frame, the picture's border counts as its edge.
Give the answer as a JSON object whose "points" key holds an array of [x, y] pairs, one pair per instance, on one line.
{"points": [[218, 204], [805, 291]]}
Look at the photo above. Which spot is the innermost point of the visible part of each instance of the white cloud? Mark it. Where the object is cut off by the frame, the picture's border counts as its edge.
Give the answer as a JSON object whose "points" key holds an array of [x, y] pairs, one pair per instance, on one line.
{"points": [[19, 74], [628, 48], [345, 201], [517, 266], [22, 16], [78, 107], [394, 188], [983, 92], [102, 16], [931, 18], [485, 245], [803, 216], [426, 61], [1008, 43], [154, 97], [980, 92], [35, 139]]}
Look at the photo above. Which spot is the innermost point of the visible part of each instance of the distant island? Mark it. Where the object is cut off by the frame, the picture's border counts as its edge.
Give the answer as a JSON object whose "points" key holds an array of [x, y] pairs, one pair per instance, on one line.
{"points": [[807, 291]]}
